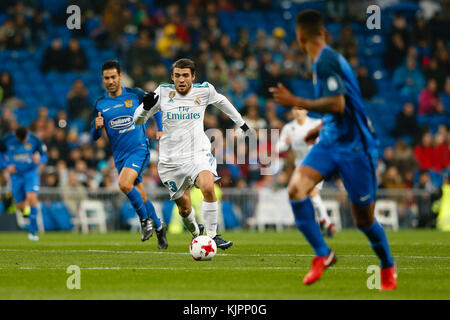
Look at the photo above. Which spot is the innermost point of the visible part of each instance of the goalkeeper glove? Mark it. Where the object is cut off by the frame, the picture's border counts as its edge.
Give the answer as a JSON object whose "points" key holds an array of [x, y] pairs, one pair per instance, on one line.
{"points": [[149, 100]]}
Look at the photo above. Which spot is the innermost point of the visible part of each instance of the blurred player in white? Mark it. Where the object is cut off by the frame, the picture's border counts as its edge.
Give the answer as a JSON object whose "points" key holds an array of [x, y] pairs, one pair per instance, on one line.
{"points": [[293, 135], [185, 157]]}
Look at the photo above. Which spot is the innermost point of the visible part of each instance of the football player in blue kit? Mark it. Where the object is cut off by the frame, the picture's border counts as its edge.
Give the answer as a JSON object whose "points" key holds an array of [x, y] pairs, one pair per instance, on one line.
{"points": [[130, 146], [22, 152], [347, 146]]}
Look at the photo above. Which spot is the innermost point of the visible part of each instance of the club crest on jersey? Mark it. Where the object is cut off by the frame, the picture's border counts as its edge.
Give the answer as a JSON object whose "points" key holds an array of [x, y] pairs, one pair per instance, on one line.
{"points": [[197, 100], [314, 78], [28, 146], [171, 95], [128, 103]]}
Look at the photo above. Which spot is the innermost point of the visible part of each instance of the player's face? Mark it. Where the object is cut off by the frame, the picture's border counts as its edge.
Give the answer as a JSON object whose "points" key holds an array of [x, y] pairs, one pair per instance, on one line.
{"points": [[183, 79], [299, 114], [111, 80]]}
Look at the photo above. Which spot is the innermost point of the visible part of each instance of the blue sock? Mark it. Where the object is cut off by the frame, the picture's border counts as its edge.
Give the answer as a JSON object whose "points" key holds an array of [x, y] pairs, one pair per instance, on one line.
{"points": [[137, 203], [306, 223], [379, 244], [152, 214], [33, 220]]}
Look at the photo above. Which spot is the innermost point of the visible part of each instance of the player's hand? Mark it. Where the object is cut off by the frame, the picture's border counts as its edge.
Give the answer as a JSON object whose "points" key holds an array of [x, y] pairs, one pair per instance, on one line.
{"points": [[149, 100], [12, 169], [248, 132], [311, 136], [159, 135], [99, 121], [283, 96]]}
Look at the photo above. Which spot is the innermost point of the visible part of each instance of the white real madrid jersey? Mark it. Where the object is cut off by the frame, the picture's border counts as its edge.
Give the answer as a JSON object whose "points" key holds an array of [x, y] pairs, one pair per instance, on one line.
{"points": [[297, 134], [182, 118]]}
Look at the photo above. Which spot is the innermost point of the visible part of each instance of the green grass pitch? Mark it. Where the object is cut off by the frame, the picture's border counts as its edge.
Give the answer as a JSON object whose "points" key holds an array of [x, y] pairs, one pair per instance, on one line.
{"points": [[259, 266]]}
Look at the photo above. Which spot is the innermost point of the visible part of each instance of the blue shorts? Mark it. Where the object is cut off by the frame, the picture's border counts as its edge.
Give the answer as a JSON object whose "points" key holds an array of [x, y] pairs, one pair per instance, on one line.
{"points": [[137, 160], [356, 169], [23, 183]]}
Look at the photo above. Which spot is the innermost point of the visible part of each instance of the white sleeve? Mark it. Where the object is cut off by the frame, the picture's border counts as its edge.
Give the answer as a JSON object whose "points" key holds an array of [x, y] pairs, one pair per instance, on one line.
{"points": [[220, 101], [282, 145], [141, 115]]}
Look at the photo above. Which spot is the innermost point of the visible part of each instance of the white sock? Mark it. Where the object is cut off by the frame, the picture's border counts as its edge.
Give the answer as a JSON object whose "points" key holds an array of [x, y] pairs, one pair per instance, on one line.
{"points": [[318, 204], [191, 224], [210, 211]]}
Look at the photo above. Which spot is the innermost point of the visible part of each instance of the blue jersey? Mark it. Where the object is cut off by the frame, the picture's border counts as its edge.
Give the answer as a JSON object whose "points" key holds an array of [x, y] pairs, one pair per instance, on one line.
{"points": [[20, 154], [332, 75], [118, 112]]}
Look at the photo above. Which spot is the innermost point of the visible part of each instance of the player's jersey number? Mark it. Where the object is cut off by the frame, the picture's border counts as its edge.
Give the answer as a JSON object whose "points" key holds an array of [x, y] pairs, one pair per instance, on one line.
{"points": [[171, 186]]}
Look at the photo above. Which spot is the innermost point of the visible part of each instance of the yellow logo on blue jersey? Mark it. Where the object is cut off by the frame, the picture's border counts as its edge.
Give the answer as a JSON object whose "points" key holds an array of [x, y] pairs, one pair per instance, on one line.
{"points": [[128, 103]]}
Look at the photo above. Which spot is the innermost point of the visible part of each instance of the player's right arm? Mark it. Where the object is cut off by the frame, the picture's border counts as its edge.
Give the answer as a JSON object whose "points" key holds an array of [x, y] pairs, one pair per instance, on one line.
{"points": [[151, 104], [285, 141], [97, 124], [7, 163]]}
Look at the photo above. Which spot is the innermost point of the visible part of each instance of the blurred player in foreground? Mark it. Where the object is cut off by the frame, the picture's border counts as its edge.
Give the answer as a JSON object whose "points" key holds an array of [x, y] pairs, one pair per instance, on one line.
{"points": [[22, 154], [185, 157], [293, 135], [347, 146], [130, 146]]}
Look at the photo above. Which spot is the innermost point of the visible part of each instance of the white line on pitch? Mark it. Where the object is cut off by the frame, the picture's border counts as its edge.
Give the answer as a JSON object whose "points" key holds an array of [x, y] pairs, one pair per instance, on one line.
{"points": [[222, 254]]}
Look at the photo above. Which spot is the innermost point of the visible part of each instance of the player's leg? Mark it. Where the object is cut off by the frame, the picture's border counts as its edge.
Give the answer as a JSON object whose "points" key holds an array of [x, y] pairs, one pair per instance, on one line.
{"points": [[325, 223], [317, 164], [210, 207], [161, 228], [187, 213], [32, 201], [359, 178], [302, 182], [127, 177]]}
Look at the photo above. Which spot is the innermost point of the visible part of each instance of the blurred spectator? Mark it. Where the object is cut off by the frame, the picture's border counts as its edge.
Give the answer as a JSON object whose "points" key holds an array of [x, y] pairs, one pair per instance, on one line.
{"points": [[434, 72], [347, 44], [251, 114], [271, 78], [7, 34], [409, 79], [404, 158], [425, 215], [8, 121], [429, 102], [73, 192], [6, 86], [443, 148], [168, 44], [140, 75], [395, 52], [38, 28], [445, 96], [425, 153], [142, 52], [78, 104], [76, 57], [406, 123], [392, 179], [160, 74], [55, 57], [366, 84]]}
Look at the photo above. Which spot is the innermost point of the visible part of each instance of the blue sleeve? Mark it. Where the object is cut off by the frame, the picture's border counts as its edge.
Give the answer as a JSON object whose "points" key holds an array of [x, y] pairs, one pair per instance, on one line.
{"points": [[42, 149], [330, 75], [95, 134], [158, 119]]}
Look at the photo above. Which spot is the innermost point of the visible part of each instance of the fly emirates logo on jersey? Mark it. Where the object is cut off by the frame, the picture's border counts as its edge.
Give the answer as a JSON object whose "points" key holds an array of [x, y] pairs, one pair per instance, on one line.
{"points": [[122, 123], [183, 114]]}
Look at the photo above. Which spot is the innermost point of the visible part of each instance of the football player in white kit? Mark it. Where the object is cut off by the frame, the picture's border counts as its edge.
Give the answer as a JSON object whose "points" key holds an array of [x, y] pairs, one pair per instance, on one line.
{"points": [[185, 157], [293, 135]]}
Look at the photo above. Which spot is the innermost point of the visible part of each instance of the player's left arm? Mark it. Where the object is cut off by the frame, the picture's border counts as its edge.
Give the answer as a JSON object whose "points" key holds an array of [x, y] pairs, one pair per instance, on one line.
{"points": [[41, 149], [220, 101], [327, 104], [333, 90]]}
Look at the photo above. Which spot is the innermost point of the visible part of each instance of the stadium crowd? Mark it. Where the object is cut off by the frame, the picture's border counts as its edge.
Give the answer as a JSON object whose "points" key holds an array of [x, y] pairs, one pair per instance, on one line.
{"points": [[243, 66]]}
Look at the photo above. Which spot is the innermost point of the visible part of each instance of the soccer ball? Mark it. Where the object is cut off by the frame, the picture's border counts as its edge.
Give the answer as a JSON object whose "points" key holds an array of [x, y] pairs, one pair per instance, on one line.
{"points": [[203, 248]]}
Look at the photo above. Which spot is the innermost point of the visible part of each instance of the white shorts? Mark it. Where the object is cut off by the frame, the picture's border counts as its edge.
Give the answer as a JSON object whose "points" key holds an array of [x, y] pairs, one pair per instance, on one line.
{"points": [[179, 177]]}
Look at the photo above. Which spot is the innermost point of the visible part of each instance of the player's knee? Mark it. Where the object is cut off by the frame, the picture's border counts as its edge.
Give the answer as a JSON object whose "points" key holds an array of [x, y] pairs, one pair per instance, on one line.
{"points": [[32, 199], [296, 193], [125, 186], [208, 191], [184, 211]]}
